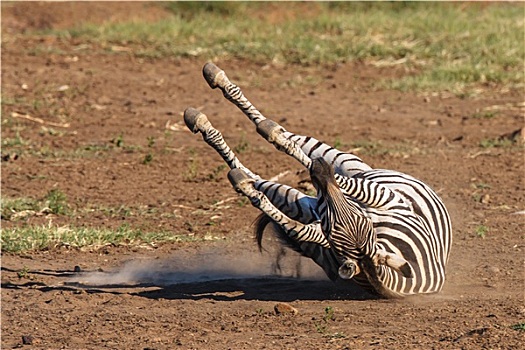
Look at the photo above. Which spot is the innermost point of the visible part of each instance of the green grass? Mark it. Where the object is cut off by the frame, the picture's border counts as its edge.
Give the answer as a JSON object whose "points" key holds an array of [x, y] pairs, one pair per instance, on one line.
{"points": [[481, 231], [518, 326], [497, 143], [54, 202], [31, 238], [444, 46]]}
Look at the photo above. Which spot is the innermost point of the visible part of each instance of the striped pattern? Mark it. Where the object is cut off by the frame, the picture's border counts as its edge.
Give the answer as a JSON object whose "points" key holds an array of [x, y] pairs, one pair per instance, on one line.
{"points": [[408, 217], [386, 230]]}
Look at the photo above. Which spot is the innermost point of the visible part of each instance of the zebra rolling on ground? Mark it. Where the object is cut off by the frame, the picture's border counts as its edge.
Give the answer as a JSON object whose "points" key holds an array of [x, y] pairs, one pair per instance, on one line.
{"points": [[386, 230]]}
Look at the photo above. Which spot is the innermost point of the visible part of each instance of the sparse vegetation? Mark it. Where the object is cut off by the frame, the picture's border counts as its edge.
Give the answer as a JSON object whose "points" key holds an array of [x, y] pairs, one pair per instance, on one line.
{"points": [[54, 202], [444, 46], [214, 175], [485, 115], [12, 206], [148, 158], [322, 325], [151, 141], [496, 142], [518, 326], [23, 273], [28, 238], [118, 141], [192, 167], [338, 143], [242, 146], [481, 231]]}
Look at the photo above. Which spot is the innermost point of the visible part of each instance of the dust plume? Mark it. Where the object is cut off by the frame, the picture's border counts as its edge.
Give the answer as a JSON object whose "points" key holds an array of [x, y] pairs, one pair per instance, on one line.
{"points": [[202, 266]]}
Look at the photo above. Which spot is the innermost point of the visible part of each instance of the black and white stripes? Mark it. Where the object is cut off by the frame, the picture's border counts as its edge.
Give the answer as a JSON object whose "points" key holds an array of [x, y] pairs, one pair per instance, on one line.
{"points": [[386, 230]]}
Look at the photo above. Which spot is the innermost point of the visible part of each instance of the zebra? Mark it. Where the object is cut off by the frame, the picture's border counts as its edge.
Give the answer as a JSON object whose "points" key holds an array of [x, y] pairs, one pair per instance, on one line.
{"points": [[385, 230]]}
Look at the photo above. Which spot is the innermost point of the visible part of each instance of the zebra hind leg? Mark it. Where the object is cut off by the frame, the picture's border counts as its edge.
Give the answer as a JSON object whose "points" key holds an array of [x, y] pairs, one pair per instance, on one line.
{"points": [[295, 230]]}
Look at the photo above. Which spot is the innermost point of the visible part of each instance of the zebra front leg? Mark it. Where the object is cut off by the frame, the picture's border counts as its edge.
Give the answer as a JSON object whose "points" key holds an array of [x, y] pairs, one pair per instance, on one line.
{"points": [[270, 130], [198, 122], [217, 78], [296, 230]]}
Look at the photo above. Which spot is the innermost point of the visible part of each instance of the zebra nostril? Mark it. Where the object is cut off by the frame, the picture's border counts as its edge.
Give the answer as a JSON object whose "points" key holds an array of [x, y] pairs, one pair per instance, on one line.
{"points": [[348, 270]]}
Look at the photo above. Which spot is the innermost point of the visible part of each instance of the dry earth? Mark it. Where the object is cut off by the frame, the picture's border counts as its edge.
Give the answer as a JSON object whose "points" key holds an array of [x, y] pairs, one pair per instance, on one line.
{"points": [[216, 291]]}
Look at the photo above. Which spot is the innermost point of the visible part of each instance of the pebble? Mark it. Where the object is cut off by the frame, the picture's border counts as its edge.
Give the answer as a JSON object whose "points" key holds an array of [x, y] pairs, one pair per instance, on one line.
{"points": [[27, 339], [284, 308], [493, 269]]}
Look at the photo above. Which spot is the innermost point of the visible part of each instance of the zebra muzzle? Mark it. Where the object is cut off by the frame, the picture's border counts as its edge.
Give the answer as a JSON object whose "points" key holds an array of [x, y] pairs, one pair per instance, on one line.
{"points": [[349, 269], [395, 262]]}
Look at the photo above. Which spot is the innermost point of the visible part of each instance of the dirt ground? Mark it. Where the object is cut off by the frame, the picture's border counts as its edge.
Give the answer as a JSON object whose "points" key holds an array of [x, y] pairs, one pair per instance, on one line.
{"points": [[215, 291]]}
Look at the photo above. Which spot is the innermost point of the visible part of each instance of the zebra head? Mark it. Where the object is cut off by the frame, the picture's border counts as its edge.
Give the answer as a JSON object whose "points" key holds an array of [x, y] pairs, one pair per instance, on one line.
{"points": [[348, 229]]}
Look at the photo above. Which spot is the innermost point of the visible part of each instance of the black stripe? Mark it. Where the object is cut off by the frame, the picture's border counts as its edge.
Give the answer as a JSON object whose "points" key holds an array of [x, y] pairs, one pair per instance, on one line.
{"points": [[312, 150]]}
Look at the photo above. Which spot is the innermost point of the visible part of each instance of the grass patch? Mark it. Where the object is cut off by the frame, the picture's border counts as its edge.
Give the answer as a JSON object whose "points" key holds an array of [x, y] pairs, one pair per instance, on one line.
{"points": [[30, 238], [12, 206], [481, 231], [518, 326], [496, 143], [445, 46], [485, 115], [54, 202]]}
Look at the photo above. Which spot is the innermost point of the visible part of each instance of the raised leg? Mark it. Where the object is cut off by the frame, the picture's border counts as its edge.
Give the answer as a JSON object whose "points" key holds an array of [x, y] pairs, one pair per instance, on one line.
{"points": [[292, 202], [198, 122], [296, 230], [302, 148]]}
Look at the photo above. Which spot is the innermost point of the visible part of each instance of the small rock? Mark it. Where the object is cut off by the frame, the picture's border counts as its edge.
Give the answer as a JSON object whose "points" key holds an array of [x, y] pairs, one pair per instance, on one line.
{"points": [[9, 157], [284, 308], [97, 107], [63, 88], [77, 269], [493, 269], [485, 199], [27, 339], [103, 100]]}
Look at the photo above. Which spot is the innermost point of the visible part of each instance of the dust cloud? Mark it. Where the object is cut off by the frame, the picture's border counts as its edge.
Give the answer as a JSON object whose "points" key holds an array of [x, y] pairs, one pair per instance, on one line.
{"points": [[203, 266]]}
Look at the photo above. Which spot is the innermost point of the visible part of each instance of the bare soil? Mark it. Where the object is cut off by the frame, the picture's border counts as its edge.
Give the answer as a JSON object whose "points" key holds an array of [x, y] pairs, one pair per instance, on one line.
{"points": [[216, 291]]}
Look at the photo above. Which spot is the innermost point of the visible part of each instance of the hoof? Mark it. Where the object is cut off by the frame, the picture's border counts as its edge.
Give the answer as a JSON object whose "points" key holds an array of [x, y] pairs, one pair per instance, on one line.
{"points": [[194, 119], [210, 73], [266, 129], [238, 178]]}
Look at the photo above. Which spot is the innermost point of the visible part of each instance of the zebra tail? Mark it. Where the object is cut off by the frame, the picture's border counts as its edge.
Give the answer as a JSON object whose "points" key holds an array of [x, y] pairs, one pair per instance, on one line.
{"points": [[260, 224]]}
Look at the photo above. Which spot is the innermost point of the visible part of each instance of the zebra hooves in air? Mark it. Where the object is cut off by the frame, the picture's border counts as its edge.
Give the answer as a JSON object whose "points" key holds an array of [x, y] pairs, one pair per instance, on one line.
{"points": [[386, 230], [213, 75], [195, 119], [269, 130], [238, 178]]}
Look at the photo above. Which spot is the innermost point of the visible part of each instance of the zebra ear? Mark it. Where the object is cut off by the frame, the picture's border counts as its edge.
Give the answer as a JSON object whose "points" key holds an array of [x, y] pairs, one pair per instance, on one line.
{"points": [[395, 262]]}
